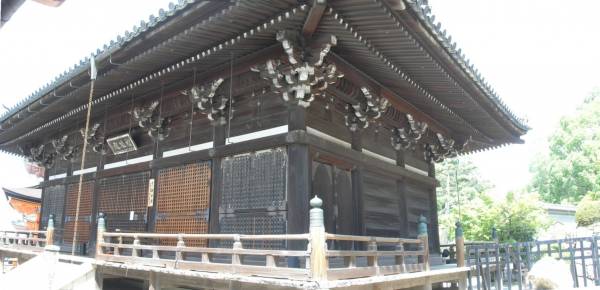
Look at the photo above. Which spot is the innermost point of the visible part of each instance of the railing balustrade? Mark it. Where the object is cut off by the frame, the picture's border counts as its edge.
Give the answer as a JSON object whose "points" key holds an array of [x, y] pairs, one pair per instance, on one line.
{"points": [[308, 259]]}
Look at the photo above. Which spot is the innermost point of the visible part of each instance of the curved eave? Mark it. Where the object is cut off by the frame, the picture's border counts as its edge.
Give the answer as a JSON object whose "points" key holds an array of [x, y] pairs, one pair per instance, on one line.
{"points": [[102, 55], [456, 62], [13, 194]]}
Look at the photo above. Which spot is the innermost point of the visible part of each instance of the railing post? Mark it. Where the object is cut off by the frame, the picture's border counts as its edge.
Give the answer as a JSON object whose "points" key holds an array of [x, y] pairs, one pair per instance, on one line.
{"points": [[424, 237], [180, 245], [237, 245], [318, 246], [400, 259], [100, 234], [460, 245], [136, 242]]}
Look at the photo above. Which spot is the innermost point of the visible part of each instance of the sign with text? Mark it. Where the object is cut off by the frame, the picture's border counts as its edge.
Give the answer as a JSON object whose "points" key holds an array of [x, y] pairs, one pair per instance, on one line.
{"points": [[121, 144]]}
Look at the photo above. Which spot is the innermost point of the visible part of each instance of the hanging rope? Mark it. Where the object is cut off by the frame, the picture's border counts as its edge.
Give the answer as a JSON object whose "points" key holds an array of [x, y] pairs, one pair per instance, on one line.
{"points": [[93, 74]]}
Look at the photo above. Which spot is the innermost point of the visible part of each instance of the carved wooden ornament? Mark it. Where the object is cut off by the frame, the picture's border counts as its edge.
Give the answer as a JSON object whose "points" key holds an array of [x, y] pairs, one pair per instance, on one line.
{"points": [[304, 74], [408, 137]]}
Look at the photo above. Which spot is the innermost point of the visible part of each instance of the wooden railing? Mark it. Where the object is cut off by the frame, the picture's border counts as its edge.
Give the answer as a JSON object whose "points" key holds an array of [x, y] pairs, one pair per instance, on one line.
{"points": [[397, 251], [35, 240], [142, 248], [29, 240], [307, 256]]}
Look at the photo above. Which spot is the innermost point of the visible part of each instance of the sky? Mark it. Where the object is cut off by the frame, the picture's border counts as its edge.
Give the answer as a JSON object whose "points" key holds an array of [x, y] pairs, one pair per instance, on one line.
{"points": [[541, 56]]}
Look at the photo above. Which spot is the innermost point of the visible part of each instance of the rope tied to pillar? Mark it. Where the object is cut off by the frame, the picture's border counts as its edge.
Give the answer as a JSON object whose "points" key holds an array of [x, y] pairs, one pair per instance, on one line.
{"points": [[93, 75]]}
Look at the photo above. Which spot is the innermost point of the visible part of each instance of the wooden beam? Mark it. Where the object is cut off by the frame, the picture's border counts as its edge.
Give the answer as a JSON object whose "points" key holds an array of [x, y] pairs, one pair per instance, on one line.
{"points": [[314, 17], [360, 78]]}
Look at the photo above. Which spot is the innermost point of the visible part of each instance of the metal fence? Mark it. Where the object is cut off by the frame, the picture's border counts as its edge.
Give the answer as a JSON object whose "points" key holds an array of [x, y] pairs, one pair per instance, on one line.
{"points": [[506, 266]]}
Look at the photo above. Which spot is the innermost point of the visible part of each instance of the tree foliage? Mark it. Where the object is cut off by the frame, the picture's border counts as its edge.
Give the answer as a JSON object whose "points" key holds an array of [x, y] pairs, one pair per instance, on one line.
{"points": [[571, 168], [516, 217], [588, 210]]}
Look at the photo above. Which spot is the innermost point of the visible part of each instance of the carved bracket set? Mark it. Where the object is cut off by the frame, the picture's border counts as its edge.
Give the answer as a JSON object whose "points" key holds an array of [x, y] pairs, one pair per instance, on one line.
{"points": [[150, 119], [210, 100], [304, 74]]}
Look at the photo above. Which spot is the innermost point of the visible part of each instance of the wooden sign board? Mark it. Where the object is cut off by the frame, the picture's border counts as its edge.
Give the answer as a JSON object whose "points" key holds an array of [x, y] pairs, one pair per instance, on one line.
{"points": [[121, 144]]}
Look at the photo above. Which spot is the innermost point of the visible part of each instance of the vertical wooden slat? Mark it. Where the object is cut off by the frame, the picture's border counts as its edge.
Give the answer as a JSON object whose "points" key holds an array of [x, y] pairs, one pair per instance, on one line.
{"points": [[508, 262], [519, 268], [583, 268], [478, 266], [498, 268], [595, 261], [573, 264]]}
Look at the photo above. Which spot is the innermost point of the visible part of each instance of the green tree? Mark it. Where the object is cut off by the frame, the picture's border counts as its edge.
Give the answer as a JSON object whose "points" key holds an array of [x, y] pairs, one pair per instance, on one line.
{"points": [[571, 168], [458, 175], [588, 210], [516, 218]]}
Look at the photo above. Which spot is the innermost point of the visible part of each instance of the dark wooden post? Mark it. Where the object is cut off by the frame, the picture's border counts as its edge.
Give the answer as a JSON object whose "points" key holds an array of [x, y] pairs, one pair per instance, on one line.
{"points": [[401, 188], [152, 210], [299, 181], [433, 216], [357, 187], [219, 139], [95, 205]]}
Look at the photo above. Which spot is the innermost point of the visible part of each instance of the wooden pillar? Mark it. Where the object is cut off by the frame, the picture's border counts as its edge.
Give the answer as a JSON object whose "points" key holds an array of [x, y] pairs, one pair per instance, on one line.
{"points": [[219, 139], [46, 174], [357, 187], [95, 206], [299, 182], [70, 169], [434, 240], [401, 188], [151, 210]]}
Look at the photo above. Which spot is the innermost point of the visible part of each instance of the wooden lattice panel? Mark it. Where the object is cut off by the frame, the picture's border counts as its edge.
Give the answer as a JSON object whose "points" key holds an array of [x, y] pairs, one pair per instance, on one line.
{"points": [[255, 180], [183, 200], [85, 212], [53, 203], [257, 223], [123, 199]]}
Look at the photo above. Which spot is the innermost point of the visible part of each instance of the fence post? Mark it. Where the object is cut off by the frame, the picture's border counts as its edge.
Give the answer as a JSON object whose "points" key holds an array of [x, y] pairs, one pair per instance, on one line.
{"points": [[423, 236], [100, 234], [460, 245], [318, 247], [50, 231]]}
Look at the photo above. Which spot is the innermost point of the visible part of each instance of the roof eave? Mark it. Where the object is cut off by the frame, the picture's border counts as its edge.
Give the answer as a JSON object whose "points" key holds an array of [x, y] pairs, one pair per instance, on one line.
{"points": [[446, 49]]}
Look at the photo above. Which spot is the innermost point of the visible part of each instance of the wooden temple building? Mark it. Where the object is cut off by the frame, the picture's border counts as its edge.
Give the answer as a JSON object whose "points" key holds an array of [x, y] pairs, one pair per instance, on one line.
{"points": [[214, 123]]}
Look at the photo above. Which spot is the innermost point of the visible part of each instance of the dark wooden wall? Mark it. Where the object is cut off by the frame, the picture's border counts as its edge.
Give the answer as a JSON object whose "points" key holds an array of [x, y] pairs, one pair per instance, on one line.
{"points": [[258, 186]]}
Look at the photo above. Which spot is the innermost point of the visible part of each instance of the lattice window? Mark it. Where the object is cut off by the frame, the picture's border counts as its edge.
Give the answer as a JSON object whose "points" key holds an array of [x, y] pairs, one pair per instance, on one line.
{"points": [[254, 181], [85, 212], [183, 200], [124, 201], [255, 224], [53, 203]]}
